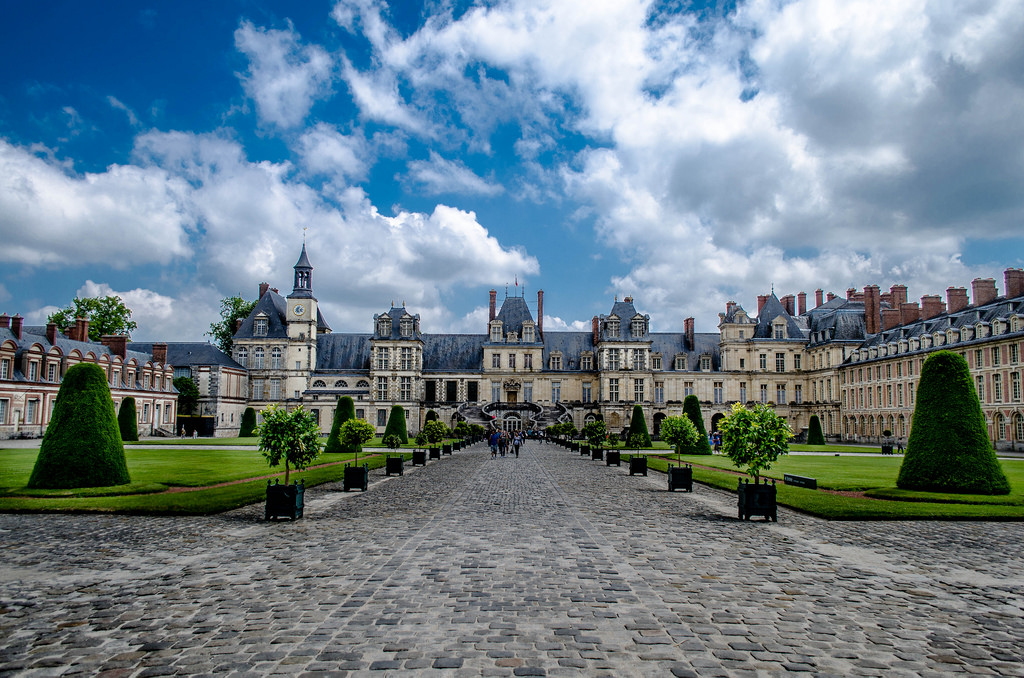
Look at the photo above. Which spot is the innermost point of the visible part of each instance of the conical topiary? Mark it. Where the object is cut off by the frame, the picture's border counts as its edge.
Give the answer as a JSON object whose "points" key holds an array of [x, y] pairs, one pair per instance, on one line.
{"points": [[431, 416], [345, 410], [248, 427], [638, 434], [396, 424], [691, 409], [128, 420], [814, 433], [82, 446], [949, 449]]}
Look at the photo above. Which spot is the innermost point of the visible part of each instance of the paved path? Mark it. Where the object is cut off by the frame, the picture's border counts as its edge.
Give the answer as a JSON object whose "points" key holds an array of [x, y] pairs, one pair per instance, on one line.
{"points": [[550, 564]]}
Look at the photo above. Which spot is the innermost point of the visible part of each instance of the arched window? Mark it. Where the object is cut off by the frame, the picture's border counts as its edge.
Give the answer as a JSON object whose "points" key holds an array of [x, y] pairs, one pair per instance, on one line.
{"points": [[275, 358], [341, 383], [257, 358], [319, 383], [1019, 425], [1000, 427], [363, 384]]}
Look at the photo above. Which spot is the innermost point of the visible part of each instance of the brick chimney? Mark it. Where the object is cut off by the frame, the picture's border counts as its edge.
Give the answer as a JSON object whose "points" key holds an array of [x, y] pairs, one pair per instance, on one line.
{"points": [[899, 295], [263, 289], [931, 306], [787, 303], [909, 312], [493, 306], [595, 328], [872, 309], [688, 331], [5, 321], [51, 333], [956, 299], [540, 311], [160, 353], [830, 297], [851, 293], [762, 299], [238, 324], [801, 302], [1014, 279], [818, 293], [82, 329], [275, 290], [16, 325], [890, 318], [984, 290], [885, 298], [117, 343]]}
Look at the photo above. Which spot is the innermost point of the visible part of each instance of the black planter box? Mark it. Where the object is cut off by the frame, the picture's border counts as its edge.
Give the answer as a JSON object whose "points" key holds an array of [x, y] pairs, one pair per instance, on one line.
{"points": [[585, 451], [419, 458], [680, 478], [394, 466], [284, 501], [597, 454], [435, 452], [757, 500], [613, 457], [356, 478], [638, 465], [456, 446], [446, 448]]}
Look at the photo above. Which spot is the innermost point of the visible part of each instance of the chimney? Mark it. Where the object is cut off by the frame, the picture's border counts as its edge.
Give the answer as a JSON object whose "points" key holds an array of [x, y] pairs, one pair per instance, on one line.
{"points": [[886, 298], [82, 328], [160, 353], [931, 306], [51, 333], [899, 295], [263, 289], [851, 293], [817, 297], [830, 297], [117, 343], [909, 313], [801, 302], [688, 330], [595, 327], [872, 308], [729, 306], [956, 299], [787, 303], [5, 321], [890, 318], [762, 299], [494, 303], [984, 290], [275, 290], [16, 326], [1014, 279], [540, 312]]}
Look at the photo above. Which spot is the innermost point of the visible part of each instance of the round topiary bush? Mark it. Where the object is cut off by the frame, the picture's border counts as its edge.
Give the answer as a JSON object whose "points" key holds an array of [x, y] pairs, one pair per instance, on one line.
{"points": [[82, 446], [691, 409], [396, 424], [815, 436], [638, 436], [345, 410], [949, 449], [128, 420], [248, 427]]}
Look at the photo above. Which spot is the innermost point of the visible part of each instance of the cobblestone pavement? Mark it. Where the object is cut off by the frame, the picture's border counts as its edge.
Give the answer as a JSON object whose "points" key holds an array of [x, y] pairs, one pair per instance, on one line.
{"points": [[549, 564]]}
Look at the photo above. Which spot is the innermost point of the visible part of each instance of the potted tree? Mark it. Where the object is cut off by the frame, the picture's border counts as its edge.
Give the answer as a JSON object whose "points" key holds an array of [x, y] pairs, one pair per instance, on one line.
{"points": [[680, 432], [755, 439], [294, 439], [419, 457], [435, 431], [595, 432], [354, 433], [393, 465], [637, 461]]}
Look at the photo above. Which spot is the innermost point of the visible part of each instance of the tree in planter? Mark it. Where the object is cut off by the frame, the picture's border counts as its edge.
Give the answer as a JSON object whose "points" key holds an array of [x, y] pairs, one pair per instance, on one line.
{"points": [[595, 433], [462, 430], [613, 439], [345, 411], [354, 433], [82, 446], [679, 432], [391, 441], [949, 449], [289, 437], [814, 433], [691, 409], [638, 435], [128, 420], [435, 431], [188, 395], [396, 424], [754, 438], [248, 426]]}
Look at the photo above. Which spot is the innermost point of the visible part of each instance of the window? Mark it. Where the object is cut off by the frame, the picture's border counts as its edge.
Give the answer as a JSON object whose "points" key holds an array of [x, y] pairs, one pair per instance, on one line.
{"points": [[257, 389], [298, 366], [980, 382], [145, 381], [639, 361], [763, 361], [638, 390], [705, 363], [382, 388], [528, 361], [719, 393], [780, 362], [405, 388], [681, 362], [242, 356], [659, 392], [1015, 386], [796, 361], [528, 334], [275, 389], [383, 358], [275, 358], [384, 326], [33, 371], [495, 391], [556, 391], [5, 369], [511, 361], [655, 362], [780, 331], [32, 407], [51, 372], [978, 358], [614, 359], [495, 360], [496, 332], [764, 393], [780, 394], [145, 413], [637, 328], [743, 391], [1000, 427], [743, 363], [997, 387], [613, 328], [115, 376], [587, 363], [382, 418], [407, 359], [798, 393], [528, 391], [899, 395], [257, 358], [406, 327], [613, 390], [995, 356], [556, 362], [687, 388], [4, 407], [259, 327]]}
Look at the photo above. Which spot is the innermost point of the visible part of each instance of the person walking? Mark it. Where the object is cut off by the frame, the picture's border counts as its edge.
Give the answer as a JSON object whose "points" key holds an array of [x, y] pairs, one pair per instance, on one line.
{"points": [[516, 442], [493, 440]]}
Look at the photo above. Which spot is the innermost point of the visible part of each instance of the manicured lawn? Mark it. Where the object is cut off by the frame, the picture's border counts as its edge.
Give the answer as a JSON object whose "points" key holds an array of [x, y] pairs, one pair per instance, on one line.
{"points": [[212, 442]]}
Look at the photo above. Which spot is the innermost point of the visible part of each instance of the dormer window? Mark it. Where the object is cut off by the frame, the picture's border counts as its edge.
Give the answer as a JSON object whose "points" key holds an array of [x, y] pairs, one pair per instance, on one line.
{"points": [[384, 327], [259, 326], [681, 362], [638, 328], [406, 327], [705, 363], [556, 362], [612, 327], [528, 333], [496, 331], [779, 331]]}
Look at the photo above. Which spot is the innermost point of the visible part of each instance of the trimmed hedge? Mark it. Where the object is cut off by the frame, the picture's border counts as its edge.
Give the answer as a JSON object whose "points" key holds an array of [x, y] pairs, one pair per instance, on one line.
{"points": [[815, 436], [638, 434], [691, 409], [396, 424], [949, 449], [248, 426], [345, 410], [128, 420], [82, 446]]}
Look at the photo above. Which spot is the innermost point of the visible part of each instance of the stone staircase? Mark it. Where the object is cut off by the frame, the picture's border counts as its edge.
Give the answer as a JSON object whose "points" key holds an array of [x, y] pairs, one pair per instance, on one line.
{"points": [[534, 416]]}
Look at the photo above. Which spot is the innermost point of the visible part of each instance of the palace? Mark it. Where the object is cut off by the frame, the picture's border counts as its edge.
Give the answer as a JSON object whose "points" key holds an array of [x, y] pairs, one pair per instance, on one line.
{"points": [[851, 361]]}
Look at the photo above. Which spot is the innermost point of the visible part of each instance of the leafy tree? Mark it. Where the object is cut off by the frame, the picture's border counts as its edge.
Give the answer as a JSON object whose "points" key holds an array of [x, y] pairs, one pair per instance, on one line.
{"points": [[248, 426], [949, 449], [345, 410], [431, 416], [462, 430], [289, 437], [613, 439], [106, 315], [82, 446], [691, 409], [231, 310], [354, 433], [595, 433], [679, 432], [396, 424], [754, 438], [815, 436], [435, 431], [392, 442], [188, 395], [128, 420], [476, 430], [638, 435]]}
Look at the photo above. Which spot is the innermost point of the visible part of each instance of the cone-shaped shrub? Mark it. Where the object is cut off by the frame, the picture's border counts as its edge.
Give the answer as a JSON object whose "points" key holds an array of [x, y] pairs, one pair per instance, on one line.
{"points": [[396, 424], [638, 434], [82, 446], [248, 428], [128, 420], [691, 409], [814, 433], [345, 410], [431, 416], [949, 449]]}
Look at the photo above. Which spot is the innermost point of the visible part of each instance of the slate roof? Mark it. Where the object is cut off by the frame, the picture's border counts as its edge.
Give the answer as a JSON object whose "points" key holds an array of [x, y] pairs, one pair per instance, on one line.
{"points": [[671, 344], [186, 353], [771, 310], [343, 352], [461, 352], [396, 314], [275, 308], [570, 344], [36, 334], [513, 314], [837, 320], [998, 309], [625, 312]]}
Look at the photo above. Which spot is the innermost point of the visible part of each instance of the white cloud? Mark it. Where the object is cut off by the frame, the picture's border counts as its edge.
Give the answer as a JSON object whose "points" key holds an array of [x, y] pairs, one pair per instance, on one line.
{"points": [[324, 150], [117, 105], [438, 175]]}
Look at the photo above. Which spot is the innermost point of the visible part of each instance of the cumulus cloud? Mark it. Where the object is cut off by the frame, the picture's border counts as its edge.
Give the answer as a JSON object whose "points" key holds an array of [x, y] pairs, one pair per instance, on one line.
{"points": [[438, 175], [324, 150]]}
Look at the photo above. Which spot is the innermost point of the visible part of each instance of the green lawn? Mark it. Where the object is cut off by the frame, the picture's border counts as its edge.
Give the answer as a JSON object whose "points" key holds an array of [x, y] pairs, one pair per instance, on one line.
{"points": [[213, 442]]}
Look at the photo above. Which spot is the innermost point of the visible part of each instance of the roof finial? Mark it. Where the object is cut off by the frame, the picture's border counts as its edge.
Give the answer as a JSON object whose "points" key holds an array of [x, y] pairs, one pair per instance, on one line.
{"points": [[773, 288], [304, 229]]}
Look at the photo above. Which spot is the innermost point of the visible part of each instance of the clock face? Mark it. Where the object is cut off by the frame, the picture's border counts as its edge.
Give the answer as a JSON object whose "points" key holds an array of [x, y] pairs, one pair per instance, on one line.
{"points": [[299, 309]]}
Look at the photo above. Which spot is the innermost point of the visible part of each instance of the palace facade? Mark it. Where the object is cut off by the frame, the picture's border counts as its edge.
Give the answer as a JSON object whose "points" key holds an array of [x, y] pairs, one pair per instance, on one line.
{"points": [[851, 361]]}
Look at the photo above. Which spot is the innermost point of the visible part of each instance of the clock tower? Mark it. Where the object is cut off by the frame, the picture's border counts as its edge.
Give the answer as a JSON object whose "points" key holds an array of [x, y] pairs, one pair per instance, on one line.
{"points": [[302, 328]]}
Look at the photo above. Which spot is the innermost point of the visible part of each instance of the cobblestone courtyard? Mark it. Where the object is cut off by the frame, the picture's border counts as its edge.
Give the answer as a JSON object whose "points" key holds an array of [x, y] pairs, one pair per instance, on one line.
{"points": [[549, 564]]}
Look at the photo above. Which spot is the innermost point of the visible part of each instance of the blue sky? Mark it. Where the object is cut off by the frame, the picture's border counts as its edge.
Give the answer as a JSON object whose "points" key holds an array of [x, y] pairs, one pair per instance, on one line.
{"points": [[682, 153]]}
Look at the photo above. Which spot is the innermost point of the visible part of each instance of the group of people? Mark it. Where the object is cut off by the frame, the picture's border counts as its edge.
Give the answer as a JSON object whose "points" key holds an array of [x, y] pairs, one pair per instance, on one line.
{"points": [[505, 443], [715, 441]]}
